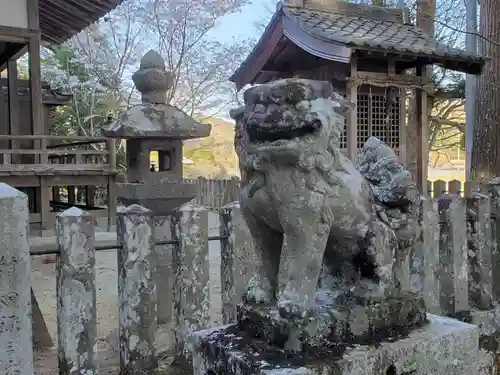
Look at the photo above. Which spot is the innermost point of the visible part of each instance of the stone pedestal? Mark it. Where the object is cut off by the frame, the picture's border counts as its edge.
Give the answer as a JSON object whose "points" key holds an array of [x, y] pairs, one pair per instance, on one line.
{"points": [[444, 346], [357, 324]]}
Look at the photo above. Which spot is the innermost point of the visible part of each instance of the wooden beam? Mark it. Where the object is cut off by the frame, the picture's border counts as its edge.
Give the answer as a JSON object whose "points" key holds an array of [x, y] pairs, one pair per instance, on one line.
{"points": [[400, 79], [81, 138], [16, 34]]}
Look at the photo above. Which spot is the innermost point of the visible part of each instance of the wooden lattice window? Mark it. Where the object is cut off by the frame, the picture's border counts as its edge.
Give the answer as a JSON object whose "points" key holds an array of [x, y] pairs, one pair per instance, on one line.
{"points": [[371, 121], [378, 123], [363, 119]]}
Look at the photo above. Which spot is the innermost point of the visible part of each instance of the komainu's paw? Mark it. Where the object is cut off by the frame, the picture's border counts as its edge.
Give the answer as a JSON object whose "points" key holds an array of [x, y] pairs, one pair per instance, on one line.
{"points": [[258, 292]]}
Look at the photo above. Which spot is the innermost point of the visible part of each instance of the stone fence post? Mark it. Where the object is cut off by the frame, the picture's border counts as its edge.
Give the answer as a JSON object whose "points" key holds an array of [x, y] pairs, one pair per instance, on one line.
{"points": [[238, 261], [227, 249], [16, 354], [453, 255], [494, 193], [76, 293], [190, 263], [136, 291], [430, 254], [480, 251]]}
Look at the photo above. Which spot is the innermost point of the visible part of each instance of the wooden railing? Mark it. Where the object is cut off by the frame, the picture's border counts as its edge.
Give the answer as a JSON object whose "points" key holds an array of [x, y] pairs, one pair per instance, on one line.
{"points": [[40, 168], [62, 153]]}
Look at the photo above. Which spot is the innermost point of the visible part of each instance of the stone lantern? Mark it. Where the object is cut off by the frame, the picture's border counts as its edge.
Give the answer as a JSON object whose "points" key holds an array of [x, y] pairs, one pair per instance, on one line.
{"points": [[155, 125]]}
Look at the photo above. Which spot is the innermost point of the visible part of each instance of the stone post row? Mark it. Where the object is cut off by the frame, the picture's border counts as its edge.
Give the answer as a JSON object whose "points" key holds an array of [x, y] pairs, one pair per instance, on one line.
{"points": [[137, 291], [190, 263], [76, 293], [16, 354]]}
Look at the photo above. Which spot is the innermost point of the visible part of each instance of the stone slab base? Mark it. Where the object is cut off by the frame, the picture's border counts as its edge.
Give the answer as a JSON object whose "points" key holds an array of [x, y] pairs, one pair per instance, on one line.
{"points": [[443, 347], [331, 322]]}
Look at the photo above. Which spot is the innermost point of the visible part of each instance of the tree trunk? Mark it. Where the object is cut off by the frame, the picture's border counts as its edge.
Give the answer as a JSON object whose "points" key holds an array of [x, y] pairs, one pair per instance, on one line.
{"points": [[485, 161]]}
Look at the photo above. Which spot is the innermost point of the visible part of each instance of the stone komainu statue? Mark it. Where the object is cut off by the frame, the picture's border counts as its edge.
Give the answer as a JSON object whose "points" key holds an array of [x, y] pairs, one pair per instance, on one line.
{"points": [[317, 219]]}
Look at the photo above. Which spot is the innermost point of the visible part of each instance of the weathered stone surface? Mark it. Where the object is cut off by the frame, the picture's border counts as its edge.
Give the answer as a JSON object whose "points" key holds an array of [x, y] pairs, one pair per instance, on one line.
{"points": [[238, 260], [453, 256], [429, 256], [310, 210], [152, 80], [16, 354], [136, 291], [76, 293], [494, 193], [191, 273], [480, 250], [161, 197], [347, 318], [155, 125], [445, 346], [154, 118], [164, 272], [227, 249]]}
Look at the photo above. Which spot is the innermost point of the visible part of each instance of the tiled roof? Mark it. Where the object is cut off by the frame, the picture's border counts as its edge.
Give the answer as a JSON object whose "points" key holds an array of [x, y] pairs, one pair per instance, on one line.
{"points": [[368, 33]]}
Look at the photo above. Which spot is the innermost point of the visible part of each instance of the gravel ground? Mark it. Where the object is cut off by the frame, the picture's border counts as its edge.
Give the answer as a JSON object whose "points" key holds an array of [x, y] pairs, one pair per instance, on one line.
{"points": [[44, 285]]}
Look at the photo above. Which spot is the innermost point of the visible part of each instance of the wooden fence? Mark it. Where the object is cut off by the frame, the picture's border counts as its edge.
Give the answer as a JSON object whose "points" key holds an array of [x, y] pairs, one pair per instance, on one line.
{"points": [[440, 187], [215, 193], [219, 192], [455, 266]]}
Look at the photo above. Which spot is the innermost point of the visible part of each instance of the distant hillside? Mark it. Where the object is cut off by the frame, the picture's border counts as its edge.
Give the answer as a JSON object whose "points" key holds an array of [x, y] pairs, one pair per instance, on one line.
{"points": [[213, 156]]}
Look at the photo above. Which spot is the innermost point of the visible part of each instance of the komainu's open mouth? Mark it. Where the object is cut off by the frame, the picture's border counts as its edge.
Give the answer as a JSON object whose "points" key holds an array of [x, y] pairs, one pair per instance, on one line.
{"points": [[260, 134]]}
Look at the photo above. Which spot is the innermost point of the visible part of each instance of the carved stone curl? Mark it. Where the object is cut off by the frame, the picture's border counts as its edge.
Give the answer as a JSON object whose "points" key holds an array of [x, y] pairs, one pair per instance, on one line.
{"points": [[320, 222]]}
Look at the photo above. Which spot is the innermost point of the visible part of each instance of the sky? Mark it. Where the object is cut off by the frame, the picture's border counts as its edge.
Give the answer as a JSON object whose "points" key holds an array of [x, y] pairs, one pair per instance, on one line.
{"points": [[242, 24]]}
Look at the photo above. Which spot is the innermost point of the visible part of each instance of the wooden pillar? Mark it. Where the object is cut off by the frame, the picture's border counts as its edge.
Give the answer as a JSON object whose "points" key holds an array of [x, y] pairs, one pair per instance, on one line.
{"points": [[422, 130], [89, 196], [71, 194], [14, 123], [112, 204], [402, 126], [35, 73], [352, 116], [426, 14], [56, 193], [36, 106]]}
